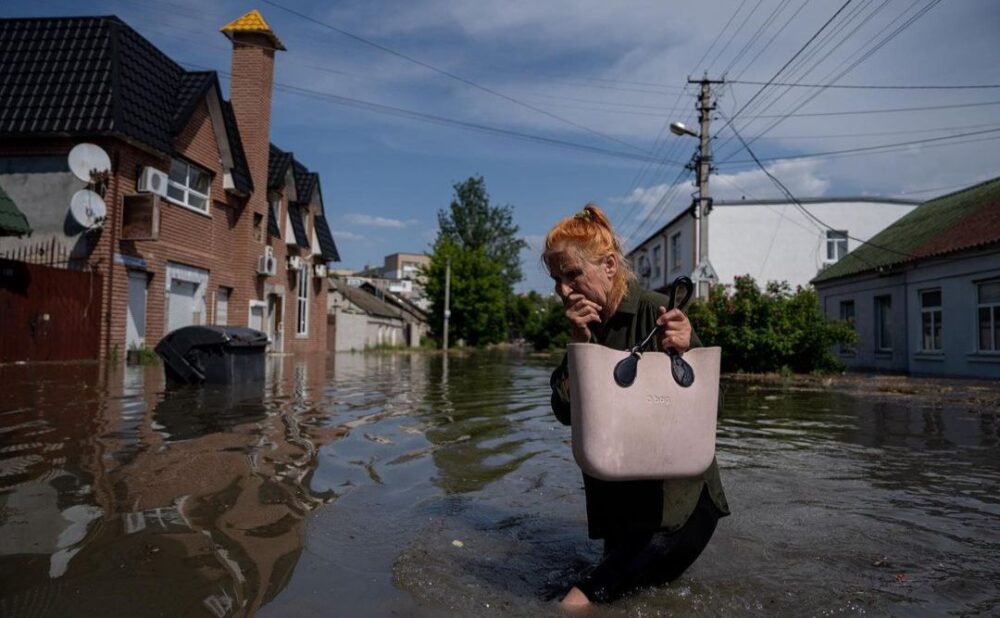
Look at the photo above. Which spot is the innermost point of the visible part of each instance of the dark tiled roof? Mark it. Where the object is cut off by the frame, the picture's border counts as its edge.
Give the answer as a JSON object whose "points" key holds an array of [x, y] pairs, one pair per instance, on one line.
{"points": [[12, 221], [192, 88], [328, 248], [86, 76], [277, 166], [305, 181], [298, 225], [366, 301], [966, 219]]}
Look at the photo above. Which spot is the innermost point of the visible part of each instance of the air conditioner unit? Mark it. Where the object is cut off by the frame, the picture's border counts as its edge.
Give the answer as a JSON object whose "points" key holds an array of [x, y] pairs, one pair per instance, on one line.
{"points": [[294, 262], [319, 271], [266, 264], [152, 180]]}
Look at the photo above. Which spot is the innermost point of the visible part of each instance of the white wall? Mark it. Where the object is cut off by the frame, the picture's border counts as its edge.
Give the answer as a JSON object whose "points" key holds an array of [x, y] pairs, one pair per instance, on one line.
{"points": [[778, 242], [669, 268]]}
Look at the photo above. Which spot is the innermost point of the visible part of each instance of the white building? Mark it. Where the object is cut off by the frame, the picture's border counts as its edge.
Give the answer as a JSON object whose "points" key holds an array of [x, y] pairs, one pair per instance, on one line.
{"points": [[924, 295], [770, 240]]}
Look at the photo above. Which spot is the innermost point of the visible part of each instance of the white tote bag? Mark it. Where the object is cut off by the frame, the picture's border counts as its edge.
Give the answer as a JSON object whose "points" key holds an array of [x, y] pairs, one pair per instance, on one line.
{"points": [[639, 415]]}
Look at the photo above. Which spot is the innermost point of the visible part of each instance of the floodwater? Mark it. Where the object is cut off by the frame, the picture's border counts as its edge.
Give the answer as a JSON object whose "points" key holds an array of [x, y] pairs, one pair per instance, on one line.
{"points": [[410, 484]]}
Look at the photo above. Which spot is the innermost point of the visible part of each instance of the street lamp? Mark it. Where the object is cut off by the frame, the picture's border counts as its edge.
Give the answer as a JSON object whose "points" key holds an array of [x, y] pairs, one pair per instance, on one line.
{"points": [[678, 128]]}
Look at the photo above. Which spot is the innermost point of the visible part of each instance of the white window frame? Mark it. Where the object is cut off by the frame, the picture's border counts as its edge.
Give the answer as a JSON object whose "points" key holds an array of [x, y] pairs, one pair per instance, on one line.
{"points": [[934, 312], [832, 243], [302, 302], [994, 324], [187, 190], [879, 326]]}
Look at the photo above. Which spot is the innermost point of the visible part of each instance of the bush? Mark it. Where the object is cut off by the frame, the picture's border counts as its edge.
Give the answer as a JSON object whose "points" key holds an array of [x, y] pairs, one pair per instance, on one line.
{"points": [[768, 330]]}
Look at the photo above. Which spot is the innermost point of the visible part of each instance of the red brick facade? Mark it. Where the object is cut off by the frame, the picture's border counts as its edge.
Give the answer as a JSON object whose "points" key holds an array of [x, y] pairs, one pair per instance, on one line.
{"points": [[224, 241]]}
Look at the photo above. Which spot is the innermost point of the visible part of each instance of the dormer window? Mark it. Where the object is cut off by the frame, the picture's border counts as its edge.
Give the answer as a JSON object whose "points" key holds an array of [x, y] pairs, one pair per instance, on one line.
{"points": [[188, 186]]}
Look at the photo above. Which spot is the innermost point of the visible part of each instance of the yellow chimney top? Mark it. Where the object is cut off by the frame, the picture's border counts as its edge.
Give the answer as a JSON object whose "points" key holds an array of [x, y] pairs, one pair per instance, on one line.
{"points": [[252, 22]]}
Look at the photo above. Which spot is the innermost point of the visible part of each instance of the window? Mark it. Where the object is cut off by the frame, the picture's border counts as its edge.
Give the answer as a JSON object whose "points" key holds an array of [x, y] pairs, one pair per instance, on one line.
{"points": [[836, 245], [657, 261], [930, 320], [222, 307], [989, 316], [276, 209], [302, 293], [188, 186], [258, 227], [675, 251], [847, 315], [883, 323]]}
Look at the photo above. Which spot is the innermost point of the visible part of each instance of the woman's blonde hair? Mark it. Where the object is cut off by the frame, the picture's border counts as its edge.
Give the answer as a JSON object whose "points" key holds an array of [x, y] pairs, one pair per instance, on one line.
{"points": [[590, 233]]}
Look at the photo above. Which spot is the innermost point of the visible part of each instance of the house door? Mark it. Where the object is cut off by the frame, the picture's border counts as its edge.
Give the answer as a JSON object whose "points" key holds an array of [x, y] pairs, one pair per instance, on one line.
{"points": [[257, 315], [135, 329], [275, 321], [182, 300]]}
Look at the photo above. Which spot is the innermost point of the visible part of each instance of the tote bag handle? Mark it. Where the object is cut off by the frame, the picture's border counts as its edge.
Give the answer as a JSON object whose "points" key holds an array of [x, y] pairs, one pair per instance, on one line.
{"points": [[627, 368]]}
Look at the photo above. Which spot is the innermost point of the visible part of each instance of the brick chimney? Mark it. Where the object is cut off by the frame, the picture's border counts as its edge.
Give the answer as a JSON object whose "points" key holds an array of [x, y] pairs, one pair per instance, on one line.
{"points": [[250, 87]]}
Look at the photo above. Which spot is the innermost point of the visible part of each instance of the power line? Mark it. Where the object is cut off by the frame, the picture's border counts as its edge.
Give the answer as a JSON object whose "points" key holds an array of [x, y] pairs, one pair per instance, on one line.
{"points": [[867, 54], [415, 115], [870, 87], [922, 108], [897, 145], [805, 211], [451, 75]]}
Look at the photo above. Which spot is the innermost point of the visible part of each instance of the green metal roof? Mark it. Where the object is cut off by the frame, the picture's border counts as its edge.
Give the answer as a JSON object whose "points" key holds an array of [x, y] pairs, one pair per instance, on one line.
{"points": [[962, 220], [12, 221]]}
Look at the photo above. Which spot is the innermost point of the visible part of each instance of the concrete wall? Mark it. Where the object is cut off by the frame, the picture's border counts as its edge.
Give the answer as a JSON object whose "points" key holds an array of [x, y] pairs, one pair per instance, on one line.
{"points": [[669, 268], [957, 278]]}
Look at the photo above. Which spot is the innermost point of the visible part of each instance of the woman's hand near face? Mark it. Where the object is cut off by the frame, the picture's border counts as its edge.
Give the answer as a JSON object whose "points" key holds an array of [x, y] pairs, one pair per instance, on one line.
{"points": [[580, 313], [675, 330]]}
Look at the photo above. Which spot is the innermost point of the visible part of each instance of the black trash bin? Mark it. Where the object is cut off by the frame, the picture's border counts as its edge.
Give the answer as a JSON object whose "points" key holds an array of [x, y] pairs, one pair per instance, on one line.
{"points": [[213, 354]]}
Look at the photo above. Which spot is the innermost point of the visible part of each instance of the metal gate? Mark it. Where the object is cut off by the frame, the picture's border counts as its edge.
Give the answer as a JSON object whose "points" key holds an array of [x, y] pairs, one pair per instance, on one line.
{"points": [[48, 314]]}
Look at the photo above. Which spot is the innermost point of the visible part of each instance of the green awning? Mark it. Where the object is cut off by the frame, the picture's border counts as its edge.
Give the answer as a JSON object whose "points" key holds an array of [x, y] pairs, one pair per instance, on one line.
{"points": [[12, 221]]}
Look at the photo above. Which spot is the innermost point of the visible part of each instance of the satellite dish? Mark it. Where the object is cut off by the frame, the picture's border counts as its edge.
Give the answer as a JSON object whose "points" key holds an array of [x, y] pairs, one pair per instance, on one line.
{"points": [[87, 208], [86, 157]]}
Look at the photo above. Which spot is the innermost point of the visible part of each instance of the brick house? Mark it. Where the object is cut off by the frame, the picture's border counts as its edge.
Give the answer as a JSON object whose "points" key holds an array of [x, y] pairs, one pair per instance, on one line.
{"points": [[236, 234]]}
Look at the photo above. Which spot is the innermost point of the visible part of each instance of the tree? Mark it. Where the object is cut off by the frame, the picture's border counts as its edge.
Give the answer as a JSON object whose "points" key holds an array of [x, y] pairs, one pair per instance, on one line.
{"points": [[481, 242], [478, 294], [768, 330], [473, 224]]}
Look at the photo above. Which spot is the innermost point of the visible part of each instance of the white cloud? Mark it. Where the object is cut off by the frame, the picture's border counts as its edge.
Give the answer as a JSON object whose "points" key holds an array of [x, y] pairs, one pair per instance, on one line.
{"points": [[349, 236], [535, 241], [375, 221]]}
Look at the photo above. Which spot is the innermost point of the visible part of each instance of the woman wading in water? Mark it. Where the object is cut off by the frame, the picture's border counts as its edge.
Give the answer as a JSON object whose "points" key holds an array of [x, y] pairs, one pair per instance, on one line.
{"points": [[652, 530]]}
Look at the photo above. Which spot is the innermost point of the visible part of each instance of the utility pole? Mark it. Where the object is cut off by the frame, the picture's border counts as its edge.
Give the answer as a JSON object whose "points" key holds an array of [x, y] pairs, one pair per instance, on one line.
{"points": [[704, 273], [447, 301]]}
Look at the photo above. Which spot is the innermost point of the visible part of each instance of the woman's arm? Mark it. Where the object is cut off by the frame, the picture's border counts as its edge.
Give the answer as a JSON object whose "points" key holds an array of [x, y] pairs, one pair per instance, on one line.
{"points": [[560, 392]]}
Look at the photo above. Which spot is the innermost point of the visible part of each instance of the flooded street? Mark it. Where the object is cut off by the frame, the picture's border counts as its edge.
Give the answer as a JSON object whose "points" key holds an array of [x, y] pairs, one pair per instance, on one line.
{"points": [[411, 484]]}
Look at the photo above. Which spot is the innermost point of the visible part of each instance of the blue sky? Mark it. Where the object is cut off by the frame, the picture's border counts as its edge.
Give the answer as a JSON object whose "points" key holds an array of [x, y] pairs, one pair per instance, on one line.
{"points": [[607, 76]]}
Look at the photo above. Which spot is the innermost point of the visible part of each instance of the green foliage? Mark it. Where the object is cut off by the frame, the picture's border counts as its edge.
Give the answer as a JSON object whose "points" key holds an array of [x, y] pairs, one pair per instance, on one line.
{"points": [[141, 355], [773, 329], [538, 319], [478, 295], [553, 327], [485, 252], [473, 224]]}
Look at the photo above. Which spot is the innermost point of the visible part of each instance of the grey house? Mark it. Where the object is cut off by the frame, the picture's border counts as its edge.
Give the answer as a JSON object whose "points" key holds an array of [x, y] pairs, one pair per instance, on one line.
{"points": [[924, 294]]}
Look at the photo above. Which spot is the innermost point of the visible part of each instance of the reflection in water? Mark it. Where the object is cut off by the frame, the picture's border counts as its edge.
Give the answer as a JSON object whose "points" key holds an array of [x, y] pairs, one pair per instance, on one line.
{"points": [[381, 484], [189, 500]]}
